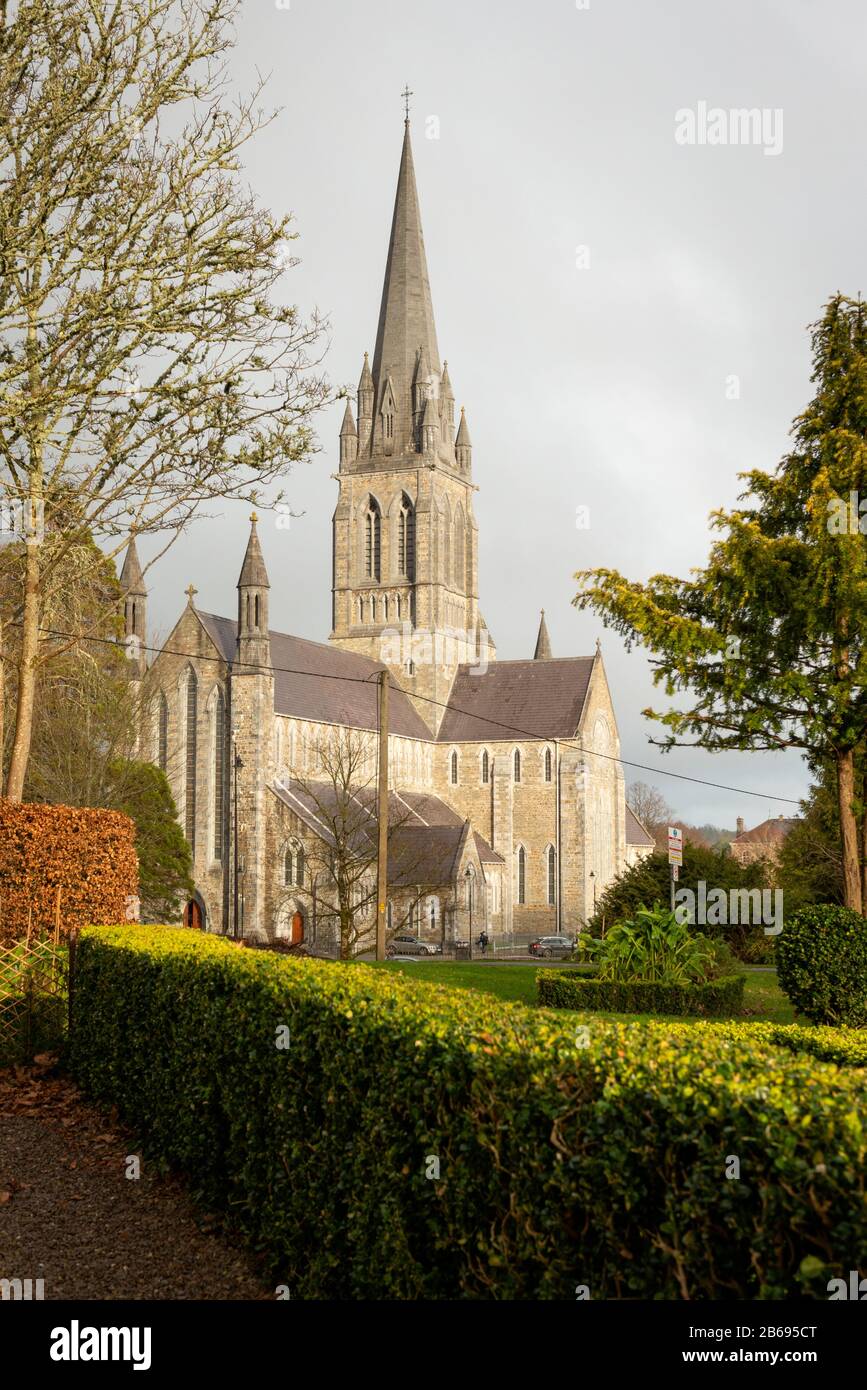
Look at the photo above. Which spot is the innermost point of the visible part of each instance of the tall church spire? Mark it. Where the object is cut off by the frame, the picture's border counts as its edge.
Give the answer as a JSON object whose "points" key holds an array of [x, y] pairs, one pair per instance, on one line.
{"points": [[543, 642], [406, 320]]}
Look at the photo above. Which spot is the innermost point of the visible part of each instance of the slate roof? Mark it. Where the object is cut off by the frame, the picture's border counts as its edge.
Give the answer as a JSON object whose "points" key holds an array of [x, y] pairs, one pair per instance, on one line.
{"points": [[322, 682], [533, 699], [424, 840], [636, 834], [776, 829]]}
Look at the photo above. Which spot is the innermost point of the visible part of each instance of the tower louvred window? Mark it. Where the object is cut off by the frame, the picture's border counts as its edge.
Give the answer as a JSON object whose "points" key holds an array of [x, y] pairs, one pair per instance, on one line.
{"points": [[372, 540], [406, 539]]}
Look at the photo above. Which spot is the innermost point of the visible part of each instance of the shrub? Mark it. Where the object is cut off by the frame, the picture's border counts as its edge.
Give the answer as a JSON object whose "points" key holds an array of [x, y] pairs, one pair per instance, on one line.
{"points": [[564, 989], [560, 1163], [822, 964], [69, 861], [721, 959], [652, 946]]}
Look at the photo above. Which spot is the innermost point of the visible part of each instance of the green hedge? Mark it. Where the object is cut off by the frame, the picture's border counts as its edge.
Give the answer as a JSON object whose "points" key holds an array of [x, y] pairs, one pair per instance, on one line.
{"points": [[822, 964], [565, 989], [844, 1046], [566, 1156]]}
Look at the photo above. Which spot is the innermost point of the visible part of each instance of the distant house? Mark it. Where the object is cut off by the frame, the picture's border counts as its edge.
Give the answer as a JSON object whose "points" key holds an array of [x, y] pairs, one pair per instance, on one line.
{"points": [[639, 841], [762, 842]]}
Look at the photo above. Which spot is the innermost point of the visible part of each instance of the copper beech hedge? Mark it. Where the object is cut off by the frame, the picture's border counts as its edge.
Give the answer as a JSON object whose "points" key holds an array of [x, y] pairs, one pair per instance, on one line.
{"points": [[68, 864]]}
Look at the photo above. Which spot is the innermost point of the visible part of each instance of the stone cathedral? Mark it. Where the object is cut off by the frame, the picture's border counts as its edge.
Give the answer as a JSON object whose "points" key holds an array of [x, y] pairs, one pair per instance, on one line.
{"points": [[506, 800]]}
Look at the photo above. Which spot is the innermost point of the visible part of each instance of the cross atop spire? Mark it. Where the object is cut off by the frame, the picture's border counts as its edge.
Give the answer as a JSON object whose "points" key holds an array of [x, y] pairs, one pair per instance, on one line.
{"points": [[406, 94], [191, 594]]}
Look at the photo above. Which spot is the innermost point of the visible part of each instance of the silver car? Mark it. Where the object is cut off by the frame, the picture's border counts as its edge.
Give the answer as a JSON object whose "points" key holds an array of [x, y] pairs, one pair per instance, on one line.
{"points": [[410, 946]]}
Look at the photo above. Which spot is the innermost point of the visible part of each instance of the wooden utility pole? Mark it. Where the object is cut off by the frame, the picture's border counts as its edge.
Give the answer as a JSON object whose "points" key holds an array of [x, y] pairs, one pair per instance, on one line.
{"points": [[382, 853]]}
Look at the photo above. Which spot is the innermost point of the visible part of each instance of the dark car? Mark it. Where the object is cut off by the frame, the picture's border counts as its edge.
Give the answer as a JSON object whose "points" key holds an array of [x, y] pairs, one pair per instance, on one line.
{"points": [[551, 946]]}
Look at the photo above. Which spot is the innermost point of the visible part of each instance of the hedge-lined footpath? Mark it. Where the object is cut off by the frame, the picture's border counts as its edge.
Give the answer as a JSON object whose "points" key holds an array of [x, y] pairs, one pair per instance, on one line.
{"points": [[561, 989], [566, 1157]]}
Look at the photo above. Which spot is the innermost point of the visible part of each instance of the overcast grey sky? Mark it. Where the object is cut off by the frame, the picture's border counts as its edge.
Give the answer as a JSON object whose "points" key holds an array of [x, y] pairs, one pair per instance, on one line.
{"points": [[595, 378]]}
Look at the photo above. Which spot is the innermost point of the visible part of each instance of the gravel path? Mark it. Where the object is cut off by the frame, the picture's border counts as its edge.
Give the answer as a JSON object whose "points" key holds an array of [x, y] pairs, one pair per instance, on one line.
{"points": [[71, 1216]]}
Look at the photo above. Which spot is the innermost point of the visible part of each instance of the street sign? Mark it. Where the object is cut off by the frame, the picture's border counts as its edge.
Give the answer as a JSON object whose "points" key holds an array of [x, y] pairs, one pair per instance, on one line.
{"points": [[675, 845]]}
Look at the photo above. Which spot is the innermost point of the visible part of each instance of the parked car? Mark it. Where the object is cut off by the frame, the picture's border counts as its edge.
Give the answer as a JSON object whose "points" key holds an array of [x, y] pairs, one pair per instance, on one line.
{"points": [[410, 946], [550, 946]]}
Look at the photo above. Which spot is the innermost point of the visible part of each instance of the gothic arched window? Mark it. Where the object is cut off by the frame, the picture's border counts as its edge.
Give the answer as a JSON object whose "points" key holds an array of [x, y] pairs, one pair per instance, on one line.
{"points": [[548, 765], [293, 865], [517, 764], [406, 539], [361, 610], [372, 539], [453, 765], [163, 733], [486, 767], [460, 577], [192, 726], [521, 875], [551, 871], [219, 772]]}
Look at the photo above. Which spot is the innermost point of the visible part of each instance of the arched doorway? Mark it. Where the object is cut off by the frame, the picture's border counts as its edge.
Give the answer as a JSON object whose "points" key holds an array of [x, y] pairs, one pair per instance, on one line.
{"points": [[194, 914], [290, 924]]}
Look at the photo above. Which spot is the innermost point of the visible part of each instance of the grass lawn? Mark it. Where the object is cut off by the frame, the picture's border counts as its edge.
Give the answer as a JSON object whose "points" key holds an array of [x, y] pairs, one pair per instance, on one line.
{"points": [[763, 998]]}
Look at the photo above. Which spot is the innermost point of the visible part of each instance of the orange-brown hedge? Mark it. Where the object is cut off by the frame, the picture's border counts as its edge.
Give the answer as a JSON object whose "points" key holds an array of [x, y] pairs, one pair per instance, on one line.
{"points": [[88, 854]]}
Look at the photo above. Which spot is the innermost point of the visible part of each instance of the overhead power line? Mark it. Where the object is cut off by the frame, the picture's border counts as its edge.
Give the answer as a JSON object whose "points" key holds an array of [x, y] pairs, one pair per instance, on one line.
{"points": [[442, 704]]}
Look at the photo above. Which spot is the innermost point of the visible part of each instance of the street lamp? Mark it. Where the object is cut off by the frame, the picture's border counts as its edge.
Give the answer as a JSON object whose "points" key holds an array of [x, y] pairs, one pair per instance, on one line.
{"points": [[469, 878]]}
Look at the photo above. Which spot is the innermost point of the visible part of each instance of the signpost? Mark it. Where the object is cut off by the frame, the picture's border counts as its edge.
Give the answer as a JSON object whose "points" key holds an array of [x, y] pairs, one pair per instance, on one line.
{"points": [[675, 856]]}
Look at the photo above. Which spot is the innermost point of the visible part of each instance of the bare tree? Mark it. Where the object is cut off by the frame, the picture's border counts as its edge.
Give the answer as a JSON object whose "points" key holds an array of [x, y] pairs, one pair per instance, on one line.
{"points": [[146, 365], [649, 805], [340, 794]]}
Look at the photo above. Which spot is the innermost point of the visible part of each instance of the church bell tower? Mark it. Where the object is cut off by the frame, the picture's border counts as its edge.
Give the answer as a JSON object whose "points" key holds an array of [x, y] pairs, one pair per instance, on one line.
{"points": [[405, 557]]}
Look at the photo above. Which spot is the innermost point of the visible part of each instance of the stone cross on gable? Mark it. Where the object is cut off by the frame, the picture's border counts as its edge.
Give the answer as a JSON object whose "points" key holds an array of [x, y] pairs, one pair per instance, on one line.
{"points": [[191, 594]]}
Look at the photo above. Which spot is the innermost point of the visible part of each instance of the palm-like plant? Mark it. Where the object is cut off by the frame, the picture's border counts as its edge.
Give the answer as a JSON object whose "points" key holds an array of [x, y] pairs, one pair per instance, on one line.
{"points": [[653, 946]]}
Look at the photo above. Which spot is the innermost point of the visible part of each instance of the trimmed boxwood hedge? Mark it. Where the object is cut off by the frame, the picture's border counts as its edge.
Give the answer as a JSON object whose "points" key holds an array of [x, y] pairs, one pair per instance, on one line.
{"points": [[566, 1155], [566, 989], [822, 964]]}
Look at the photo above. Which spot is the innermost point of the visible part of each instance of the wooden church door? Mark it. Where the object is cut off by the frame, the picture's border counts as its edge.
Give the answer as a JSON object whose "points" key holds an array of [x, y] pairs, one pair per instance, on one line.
{"points": [[193, 915]]}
